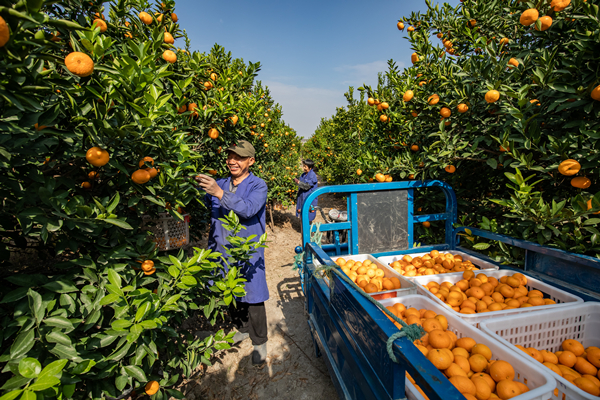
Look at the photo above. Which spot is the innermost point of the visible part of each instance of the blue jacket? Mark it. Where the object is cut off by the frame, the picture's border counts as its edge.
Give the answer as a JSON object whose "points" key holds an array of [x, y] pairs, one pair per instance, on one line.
{"points": [[311, 178], [249, 203]]}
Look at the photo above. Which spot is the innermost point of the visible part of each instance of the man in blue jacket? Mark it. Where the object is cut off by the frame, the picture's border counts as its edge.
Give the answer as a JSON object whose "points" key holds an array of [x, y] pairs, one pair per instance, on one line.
{"points": [[308, 183], [246, 195]]}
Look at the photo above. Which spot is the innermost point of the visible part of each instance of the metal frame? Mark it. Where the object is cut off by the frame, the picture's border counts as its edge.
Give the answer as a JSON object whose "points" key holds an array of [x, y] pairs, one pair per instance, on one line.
{"points": [[351, 331]]}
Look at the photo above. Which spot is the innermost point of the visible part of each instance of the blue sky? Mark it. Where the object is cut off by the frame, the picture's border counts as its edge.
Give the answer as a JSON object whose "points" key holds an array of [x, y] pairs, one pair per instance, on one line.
{"points": [[310, 51]]}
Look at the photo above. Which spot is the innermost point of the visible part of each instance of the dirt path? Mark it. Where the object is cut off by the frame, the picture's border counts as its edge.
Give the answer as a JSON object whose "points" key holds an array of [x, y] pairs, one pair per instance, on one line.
{"points": [[292, 371]]}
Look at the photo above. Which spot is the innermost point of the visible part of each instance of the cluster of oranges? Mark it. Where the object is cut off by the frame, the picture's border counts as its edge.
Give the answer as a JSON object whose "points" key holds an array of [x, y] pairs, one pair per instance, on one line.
{"points": [[148, 267], [575, 363], [432, 264], [467, 364], [144, 174], [368, 276], [571, 167], [480, 293]]}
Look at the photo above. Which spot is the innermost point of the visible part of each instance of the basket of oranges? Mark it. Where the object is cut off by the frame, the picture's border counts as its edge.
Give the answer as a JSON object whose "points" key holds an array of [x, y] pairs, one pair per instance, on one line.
{"points": [[476, 364], [567, 343], [435, 262], [374, 278], [169, 233], [476, 296]]}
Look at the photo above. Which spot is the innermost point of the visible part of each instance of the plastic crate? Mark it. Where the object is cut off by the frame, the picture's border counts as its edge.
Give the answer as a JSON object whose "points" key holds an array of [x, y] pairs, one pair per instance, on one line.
{"points": [[483, 265], [562, 298], [546, 330], [406, 286], [540, 383], [170, 233]]}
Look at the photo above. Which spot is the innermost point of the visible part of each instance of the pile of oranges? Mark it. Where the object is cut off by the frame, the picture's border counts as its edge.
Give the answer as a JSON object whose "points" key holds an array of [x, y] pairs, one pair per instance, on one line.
{"points": [[575, 363], [467, 364], [480, 293], [432, 264], [368, 276]]}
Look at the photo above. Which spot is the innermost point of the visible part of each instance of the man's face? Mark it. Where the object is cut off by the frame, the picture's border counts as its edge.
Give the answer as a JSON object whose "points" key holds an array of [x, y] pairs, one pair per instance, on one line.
{"points": [[238, 165], [305, 168]]}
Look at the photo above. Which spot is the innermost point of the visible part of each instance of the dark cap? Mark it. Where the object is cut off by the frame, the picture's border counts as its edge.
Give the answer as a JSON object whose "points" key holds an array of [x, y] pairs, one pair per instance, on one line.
{"points": [[243, 148]]}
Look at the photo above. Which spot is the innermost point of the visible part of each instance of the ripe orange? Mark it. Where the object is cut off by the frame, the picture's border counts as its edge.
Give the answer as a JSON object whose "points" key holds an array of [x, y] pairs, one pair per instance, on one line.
{"points": [[140, 176], [426, 224], [464, 385], [97, 157], [463, 108], [92, 175], [414, 147], [383, 118], [4, 32], [169, 56], [175, 18], [169, 38], [569, 167], [370, 101], [153, 173], [147, 265], [414, 58], [573, 346], [145, 18], [595, 92], [559, 5], [380, 177], [507, 389], [445, 112], [529, 17], [409, 94], [214, 134], [86, 185], [581, 182], [79, 64], [98, 23], [504, 41], [152, 387], [450, 169], [400, 26], [433, 99], [513, 62], [142, 163], [587, 386], [410, 29], [234, 119], [472, 23], [358, 172], [492, 96], [501, 370], [546, 23]]}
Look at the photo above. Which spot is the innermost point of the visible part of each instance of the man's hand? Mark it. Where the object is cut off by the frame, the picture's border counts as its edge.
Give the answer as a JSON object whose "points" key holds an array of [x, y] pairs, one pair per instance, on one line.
{"points": [[209, 185], [296, 180]]}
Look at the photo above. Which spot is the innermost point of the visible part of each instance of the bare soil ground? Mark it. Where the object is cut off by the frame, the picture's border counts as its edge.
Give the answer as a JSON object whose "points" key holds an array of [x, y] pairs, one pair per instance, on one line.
{"points": [[292, 371]]}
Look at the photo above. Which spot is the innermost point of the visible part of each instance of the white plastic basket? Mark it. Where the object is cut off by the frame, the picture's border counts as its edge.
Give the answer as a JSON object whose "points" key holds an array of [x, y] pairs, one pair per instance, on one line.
{"points": [[539, 382], [406, 286], [170, 233], [481, 264], [546, 330], [562, 298]]}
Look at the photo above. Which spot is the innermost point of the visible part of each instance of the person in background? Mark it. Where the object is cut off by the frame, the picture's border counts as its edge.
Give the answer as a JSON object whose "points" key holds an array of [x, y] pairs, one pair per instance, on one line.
{"points": [[307, 184], [246, 195]]}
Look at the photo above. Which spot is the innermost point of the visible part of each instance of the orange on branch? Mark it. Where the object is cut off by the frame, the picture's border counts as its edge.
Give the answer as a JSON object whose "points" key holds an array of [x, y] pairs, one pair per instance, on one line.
{"points": [[140, 176], [79, 64], [97, 157]]}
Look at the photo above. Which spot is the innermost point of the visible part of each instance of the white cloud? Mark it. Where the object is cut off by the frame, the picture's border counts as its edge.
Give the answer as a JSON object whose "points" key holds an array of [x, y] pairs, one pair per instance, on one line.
{"points": [[356, 75], [303, 108]]}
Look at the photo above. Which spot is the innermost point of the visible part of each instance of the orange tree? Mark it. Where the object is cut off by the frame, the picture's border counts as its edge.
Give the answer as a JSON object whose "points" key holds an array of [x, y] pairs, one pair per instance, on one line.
{"points": [[95, 140], [498, 109]]}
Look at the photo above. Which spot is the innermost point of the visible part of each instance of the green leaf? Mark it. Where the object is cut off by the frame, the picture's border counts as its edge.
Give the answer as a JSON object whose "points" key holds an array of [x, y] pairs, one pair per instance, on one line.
{"points": [[35, 305], [60, 322], [481, 246], [592, 221], [189, 280], [61, 286], [54, 368], [30, 367], [142, 310], [120, 223], [58, 337], [15, 382], [83, 367], [121, 324], [137, 373], [22, 344], [12, 395], [109, 299], [121, 381], [44, 383], [114, 278], [113, 204], [173, 271]]}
